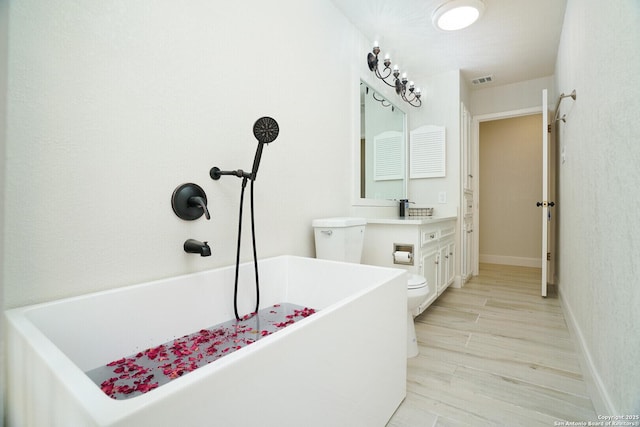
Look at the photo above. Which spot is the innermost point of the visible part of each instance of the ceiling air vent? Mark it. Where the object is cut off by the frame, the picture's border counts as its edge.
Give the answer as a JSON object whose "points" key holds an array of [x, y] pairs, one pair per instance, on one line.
{"points": [[482, 80]]}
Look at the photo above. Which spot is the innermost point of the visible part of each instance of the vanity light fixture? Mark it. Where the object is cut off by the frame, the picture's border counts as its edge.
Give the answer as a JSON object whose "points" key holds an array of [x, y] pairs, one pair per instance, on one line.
{"points": [[457, 14], [405, 88], [382, 101]]}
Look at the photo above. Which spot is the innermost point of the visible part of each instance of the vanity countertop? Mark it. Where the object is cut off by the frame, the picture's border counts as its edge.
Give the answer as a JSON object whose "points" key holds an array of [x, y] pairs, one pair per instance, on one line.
{"points": [[410, 220]]}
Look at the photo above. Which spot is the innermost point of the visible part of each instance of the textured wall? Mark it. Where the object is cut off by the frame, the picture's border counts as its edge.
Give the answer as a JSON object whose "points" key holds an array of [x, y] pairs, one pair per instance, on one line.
{"points": [[111, 105], [598, 226], [4, 31]]}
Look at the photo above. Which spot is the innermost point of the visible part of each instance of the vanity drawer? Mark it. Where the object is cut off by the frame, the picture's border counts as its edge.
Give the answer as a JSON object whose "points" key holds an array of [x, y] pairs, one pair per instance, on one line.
{"points": [[447, 231], [429, 235]]}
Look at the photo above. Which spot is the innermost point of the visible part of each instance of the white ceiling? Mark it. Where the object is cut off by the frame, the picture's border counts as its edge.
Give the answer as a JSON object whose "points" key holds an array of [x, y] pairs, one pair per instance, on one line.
{"points": [[514, 40]]}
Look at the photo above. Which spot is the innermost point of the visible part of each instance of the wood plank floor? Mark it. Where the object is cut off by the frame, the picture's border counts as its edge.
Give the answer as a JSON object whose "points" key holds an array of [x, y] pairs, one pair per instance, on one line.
{"points": [[494, 353]]}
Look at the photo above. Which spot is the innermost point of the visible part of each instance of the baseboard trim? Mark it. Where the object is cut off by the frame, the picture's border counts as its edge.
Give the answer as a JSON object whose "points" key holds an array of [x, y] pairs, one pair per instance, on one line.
{"points": [[457, 282], [510, 260], [595, 386]]}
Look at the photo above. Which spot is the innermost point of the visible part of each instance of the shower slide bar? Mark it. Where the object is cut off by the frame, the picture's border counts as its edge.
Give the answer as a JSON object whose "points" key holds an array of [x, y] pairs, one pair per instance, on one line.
{"points": [[557, 111]]}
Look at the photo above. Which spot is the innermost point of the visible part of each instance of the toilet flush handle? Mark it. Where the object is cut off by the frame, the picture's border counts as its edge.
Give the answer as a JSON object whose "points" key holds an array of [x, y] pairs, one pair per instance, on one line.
{"points": [[327, 232]]}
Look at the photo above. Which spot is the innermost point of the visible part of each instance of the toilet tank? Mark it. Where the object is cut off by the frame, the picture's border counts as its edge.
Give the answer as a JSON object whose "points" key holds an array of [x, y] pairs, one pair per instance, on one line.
{"points": [[339, 239]]}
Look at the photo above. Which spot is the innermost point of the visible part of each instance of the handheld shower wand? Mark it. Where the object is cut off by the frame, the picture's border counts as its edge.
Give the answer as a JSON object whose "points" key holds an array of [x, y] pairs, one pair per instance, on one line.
{"points": [[266, 130]]}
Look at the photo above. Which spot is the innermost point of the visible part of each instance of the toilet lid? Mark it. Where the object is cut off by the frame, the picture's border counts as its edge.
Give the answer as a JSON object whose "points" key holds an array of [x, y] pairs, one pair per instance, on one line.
{"points": [[416, 281]]}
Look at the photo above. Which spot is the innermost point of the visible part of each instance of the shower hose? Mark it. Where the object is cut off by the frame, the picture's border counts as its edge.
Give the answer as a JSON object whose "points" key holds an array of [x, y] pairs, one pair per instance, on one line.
{"points": [[253, 240]]}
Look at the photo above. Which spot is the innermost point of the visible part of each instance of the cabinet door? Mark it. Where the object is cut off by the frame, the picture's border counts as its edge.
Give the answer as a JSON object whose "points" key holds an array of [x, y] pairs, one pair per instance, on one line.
{"points": [[430, 267], [451, 262], [442, 268], [464, 265], [467, 250]]}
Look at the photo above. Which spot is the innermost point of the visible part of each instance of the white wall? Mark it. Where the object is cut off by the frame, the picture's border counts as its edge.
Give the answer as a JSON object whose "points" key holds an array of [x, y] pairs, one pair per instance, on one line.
{"points": [[598, 211], [511, 97], [111, 105], [4, 31], [441, 107]]}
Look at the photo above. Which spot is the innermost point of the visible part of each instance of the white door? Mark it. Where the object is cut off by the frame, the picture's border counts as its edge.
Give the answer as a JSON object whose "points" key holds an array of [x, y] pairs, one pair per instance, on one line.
{"points": [[546, 203]]}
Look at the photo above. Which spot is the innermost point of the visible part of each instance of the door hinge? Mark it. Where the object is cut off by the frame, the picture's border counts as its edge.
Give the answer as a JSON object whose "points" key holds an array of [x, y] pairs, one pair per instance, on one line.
{"points": [[548, 128], [548, 256]]}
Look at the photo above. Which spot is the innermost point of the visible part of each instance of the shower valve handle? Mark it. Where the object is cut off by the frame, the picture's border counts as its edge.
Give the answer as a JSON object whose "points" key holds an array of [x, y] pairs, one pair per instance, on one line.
{"points": [[198, 201], [189, 202]]}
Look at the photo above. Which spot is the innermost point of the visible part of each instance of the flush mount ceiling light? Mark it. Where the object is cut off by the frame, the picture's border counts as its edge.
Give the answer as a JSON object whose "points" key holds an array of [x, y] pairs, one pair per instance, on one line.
{"points": [[457, 14]]}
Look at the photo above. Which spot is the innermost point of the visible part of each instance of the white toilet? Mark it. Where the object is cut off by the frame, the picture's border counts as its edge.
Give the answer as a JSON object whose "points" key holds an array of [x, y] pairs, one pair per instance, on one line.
{"points": [[341, 239], [417, 294]]}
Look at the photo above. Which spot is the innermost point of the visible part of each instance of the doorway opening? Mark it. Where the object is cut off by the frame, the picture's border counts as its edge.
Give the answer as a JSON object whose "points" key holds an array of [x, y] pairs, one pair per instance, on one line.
{"points": [[510, 173], [508, 161]]}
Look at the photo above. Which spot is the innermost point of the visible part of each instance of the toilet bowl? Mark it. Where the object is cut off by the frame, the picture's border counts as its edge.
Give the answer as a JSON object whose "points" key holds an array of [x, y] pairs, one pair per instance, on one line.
{"points": [[341, 239], [417, 293]]}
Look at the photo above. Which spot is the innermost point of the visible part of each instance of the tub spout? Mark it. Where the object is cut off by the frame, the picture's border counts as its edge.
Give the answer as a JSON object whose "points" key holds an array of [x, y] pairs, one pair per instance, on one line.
{"points": [[193, 246]]}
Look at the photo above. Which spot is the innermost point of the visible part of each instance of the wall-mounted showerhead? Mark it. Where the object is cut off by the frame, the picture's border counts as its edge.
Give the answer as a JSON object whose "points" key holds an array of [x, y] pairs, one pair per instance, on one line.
{"points": [[266, 130], [556, 115]]}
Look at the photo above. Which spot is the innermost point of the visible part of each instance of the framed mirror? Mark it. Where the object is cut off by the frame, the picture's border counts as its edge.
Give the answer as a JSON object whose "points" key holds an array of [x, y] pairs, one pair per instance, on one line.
{"points": [[382, 148]]}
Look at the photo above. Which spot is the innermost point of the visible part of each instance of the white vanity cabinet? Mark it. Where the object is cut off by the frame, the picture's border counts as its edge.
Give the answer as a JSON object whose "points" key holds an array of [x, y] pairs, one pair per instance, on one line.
{"points": [[437, 255], [432, 241]]}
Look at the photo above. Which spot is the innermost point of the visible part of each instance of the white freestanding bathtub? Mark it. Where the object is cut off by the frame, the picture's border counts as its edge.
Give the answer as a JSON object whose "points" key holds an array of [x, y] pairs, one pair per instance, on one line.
{"points": [[345, 365]]}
